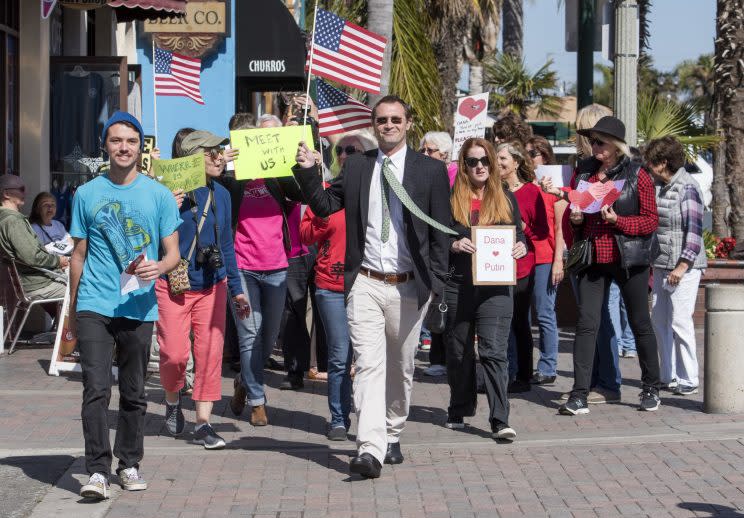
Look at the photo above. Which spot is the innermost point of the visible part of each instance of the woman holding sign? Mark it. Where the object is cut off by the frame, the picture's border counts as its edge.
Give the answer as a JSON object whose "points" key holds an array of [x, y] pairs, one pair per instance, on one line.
{"points": [[478, 198], [619, 236], [517, 172], [194, 301]]}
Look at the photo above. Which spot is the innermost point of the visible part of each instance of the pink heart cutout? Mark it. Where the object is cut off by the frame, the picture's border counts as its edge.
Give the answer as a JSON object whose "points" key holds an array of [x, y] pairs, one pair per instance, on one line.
{"points": [[495, 253], [599, 190], [470, 108]]}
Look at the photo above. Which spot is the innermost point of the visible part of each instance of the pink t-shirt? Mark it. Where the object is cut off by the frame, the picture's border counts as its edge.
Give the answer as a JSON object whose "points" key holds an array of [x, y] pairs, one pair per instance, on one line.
{"points": [[293, 220], [259, 243]]}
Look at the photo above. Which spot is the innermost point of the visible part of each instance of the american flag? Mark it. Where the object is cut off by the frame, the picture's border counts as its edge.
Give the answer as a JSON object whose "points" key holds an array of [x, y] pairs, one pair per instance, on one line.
{"points": [[177, 75], [347, 53], [339, 112]]}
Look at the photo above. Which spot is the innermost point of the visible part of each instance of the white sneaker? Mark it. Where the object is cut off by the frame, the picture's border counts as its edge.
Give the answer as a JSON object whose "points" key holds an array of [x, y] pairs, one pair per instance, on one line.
{"points": [[435, 370], [131, 480], [97, 487]]}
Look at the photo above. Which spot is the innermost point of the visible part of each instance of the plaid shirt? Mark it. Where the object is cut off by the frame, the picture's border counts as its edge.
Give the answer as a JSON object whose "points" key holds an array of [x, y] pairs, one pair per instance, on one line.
{"points": [[692, 224], [603, 233]]}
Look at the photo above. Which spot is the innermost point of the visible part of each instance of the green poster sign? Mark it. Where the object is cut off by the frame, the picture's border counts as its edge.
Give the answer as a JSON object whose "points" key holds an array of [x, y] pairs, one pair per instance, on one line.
{"points": [[185, 173]]}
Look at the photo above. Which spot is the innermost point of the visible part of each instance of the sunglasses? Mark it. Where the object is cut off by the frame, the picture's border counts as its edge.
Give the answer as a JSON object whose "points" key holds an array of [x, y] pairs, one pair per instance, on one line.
{"points": [[594, 141], [428, 150], [473, 162], [349, 150], [534, 153], [384, 120], [214, 153], [20, 189]]}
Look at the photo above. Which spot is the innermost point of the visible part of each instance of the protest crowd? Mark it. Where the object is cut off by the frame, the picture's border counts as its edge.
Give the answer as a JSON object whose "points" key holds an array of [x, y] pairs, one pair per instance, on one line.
{"points": [[357, 260]]}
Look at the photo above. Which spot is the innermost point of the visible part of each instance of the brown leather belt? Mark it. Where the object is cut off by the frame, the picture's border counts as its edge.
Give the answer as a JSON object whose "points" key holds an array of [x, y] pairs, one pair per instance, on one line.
{"points": [[389, 278]]}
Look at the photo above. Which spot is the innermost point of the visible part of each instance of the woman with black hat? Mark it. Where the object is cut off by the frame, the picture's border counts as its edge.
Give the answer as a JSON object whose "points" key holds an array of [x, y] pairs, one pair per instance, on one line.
{"points": [[620, 237]]}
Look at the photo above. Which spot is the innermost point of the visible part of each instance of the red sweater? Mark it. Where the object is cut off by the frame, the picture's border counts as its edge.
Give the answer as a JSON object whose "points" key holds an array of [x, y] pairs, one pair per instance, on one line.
{"points": [[532, 208], [330, 235]]}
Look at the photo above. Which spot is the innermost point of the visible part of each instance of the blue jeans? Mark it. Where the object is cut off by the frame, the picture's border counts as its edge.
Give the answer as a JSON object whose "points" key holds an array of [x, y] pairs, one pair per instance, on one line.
{"points": [[332, 312], [619, 318], [257, 334], [544, 299], [606, 370]]}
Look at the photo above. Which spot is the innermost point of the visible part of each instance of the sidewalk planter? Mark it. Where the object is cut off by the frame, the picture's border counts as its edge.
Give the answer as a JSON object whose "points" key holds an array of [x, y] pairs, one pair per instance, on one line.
{"points": [[719, 271]]}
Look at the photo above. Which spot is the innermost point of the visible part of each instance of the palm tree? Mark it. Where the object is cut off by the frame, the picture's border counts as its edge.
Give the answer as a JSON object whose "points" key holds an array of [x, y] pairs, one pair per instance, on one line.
{"points": [[696, 81], [515, 88], [604, 92], [728, 178], [380, 21], [513, 28]]}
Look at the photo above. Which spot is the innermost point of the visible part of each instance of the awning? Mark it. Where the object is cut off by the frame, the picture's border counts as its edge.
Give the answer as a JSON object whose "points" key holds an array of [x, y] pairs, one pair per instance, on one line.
{"points": [[270, 48], [129, 10]]}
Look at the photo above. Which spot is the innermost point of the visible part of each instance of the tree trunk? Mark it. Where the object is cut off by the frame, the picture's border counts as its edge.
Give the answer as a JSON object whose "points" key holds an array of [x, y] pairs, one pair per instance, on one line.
{"points": [[476, 77], [720, 203], [380, 21], [513, 28], [729, 73]]}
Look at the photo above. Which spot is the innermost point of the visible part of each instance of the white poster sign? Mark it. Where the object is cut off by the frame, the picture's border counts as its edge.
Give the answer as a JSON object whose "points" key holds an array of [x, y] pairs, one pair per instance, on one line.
{"points": [[560, 174], [493, 263], [470, 120]]}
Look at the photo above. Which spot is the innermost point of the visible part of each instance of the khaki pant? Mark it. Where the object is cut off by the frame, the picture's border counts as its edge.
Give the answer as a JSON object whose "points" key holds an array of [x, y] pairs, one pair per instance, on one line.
{"points": [[384, 326]]}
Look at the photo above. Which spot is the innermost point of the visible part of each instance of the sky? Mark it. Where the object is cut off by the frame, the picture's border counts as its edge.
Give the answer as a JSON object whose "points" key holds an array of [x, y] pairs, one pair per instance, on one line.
{"points": [[680, 29]]}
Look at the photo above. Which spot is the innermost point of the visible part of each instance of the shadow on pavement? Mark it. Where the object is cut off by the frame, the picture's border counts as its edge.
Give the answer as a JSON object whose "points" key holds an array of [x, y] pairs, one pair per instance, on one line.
{"points": [[24, 480], [713, 509], [335, 459]]}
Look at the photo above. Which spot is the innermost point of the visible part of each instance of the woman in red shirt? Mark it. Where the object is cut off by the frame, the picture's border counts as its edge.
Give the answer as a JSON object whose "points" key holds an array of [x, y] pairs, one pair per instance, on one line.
{"points": [[517, 173]]}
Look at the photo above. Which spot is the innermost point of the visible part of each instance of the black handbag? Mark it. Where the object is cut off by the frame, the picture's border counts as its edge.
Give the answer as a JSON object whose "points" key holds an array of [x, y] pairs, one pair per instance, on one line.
{"points": [[580, 256], [436, 316]]}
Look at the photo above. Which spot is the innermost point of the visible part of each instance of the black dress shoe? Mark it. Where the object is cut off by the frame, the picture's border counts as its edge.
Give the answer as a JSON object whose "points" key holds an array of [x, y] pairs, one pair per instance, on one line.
{"points": [[518, 386], [542, 379], [365, 465], [393, 455], [292, 382]]}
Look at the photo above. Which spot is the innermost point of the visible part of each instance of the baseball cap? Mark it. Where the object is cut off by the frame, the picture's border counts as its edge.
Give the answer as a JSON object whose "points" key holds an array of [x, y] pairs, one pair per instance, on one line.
{"points": [[201, 139], [11, 181], [123, 117]]}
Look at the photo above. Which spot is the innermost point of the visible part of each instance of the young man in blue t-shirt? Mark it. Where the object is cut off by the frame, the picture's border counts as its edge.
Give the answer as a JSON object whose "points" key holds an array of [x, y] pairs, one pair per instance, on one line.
{"points": [[120, 222]]}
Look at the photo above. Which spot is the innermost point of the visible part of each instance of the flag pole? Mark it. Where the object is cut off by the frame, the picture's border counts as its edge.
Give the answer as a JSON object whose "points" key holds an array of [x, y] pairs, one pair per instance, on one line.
{"points": [[154, 94], [310, 66]]}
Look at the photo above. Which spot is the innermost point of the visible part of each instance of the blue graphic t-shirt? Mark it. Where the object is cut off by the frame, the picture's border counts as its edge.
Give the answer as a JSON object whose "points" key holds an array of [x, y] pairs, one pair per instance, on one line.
{"points": [[120, 222]]}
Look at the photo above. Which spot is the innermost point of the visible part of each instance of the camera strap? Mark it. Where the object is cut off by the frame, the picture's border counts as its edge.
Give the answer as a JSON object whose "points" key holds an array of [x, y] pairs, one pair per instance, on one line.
{"points": [[200, 224]]}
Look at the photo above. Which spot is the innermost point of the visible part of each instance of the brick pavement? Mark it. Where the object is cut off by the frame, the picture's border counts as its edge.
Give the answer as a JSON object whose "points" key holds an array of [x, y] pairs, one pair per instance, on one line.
{"points": [[614, 462]]}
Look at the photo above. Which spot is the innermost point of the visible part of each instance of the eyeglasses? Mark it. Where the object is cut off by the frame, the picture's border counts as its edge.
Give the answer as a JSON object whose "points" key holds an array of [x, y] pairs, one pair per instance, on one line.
{"points": [[594, 141], [384, 120], [428, 150], [20, 189], [534, 153], [473, 162], [349, 150]]}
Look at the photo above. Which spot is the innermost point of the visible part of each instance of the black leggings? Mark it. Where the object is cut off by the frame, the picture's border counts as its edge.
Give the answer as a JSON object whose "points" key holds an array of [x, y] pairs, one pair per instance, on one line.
{"points": [[520, 326], [593, 283]]}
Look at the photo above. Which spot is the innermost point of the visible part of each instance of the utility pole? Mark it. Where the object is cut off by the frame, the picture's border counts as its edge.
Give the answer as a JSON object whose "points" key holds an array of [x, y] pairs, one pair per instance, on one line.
{"points": [[626, 67], [585, 54]]}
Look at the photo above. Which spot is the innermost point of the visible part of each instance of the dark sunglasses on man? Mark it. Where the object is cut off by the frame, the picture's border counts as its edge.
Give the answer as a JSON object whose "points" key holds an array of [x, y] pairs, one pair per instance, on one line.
{"points": [[384, 120], [349, 150]]}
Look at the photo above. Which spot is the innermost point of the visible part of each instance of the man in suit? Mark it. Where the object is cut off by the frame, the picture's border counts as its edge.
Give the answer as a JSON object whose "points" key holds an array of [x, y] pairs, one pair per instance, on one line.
{"points": [[394, 261]]}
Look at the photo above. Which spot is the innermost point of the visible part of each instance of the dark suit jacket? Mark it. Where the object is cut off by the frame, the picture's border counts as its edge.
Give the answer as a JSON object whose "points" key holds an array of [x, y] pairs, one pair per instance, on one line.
{"points": [[425, 180]]}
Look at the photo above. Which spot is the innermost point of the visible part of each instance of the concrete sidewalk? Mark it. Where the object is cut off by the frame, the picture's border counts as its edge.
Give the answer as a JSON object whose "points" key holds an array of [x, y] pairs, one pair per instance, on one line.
{"points": [[616, 461]]}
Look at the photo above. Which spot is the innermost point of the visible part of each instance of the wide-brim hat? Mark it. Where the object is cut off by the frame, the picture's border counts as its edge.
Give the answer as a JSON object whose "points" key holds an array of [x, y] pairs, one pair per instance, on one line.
{"points": [[607, 125], [201, 139]]}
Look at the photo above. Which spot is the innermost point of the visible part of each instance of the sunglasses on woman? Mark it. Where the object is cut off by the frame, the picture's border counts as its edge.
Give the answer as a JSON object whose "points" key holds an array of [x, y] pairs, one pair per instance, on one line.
{"points": [[214, 153], [349, 150], [428, 150], [594, 141], [534, 153], [471, 161]]}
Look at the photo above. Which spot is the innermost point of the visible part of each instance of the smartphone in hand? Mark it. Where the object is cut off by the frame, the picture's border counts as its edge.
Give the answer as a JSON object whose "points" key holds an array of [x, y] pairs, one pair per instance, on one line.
{"points": [[134, 264]]}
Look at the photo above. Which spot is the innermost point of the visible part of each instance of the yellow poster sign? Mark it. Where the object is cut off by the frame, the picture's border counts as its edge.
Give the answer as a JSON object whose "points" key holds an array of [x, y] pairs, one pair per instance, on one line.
{"points": [[268, 152], [185, 173]]}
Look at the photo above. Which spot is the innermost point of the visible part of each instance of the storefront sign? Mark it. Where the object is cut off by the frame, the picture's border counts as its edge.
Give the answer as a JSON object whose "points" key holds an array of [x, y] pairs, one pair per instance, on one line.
{"points": [[83, 4], [146, 160], [186, 173], [493, 263], [200, 17], [267, 152]]}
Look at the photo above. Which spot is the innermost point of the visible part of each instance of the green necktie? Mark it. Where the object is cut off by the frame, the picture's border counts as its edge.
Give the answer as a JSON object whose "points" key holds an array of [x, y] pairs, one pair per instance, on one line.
{"points": [[388, 180]]}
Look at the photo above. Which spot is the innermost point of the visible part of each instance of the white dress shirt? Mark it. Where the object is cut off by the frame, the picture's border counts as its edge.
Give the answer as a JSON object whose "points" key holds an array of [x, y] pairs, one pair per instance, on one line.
{"points": [[392, 256]]}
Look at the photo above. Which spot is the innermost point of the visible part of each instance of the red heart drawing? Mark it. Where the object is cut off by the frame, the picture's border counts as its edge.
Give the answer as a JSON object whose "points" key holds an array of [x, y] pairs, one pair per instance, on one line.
{"points": [[470, 108], [495, 253]]}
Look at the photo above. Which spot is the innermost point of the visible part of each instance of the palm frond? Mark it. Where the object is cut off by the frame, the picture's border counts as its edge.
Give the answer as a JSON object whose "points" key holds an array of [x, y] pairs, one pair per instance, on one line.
{"points": [[413, 69], [515, 88]]}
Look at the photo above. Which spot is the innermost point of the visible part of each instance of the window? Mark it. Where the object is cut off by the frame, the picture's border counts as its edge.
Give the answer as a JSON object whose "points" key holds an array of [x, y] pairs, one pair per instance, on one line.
{"points": [[9, 25]]}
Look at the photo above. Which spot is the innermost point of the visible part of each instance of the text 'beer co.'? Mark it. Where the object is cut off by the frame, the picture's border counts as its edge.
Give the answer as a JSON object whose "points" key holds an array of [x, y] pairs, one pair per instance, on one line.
{"points": [[200, 17]]}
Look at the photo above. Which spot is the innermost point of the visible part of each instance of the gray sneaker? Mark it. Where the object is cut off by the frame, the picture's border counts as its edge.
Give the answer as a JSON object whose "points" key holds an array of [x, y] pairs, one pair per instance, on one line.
{"points": [[337, 433], [131, 480], [685, 390], [599, 395], [174, 420], [97, 487], [209, 438]]}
